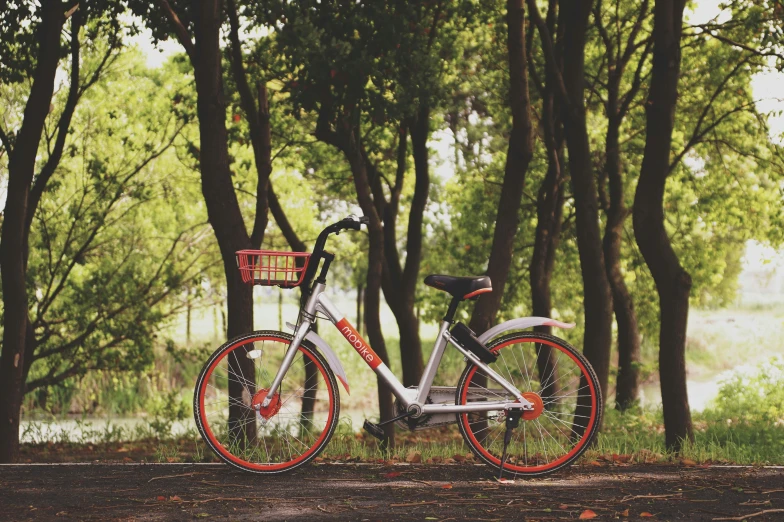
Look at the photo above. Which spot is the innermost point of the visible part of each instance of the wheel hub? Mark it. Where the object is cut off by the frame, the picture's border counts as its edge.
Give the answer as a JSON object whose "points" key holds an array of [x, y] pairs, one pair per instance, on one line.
{"points": [[536, 400], [266, 411]]}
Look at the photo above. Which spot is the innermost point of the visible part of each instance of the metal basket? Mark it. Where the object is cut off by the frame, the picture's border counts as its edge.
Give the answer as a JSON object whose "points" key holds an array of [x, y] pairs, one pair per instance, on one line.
{"points": [[270, 268]]}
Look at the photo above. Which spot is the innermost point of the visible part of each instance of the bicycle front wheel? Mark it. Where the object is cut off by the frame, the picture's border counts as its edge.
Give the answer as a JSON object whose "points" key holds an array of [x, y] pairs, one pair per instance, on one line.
{"points": [[295, 426], [567, 400]]}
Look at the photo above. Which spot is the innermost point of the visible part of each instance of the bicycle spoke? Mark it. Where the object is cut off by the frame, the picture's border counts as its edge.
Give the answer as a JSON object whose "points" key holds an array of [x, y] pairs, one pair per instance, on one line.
{"points": [[280, 434], [545, 438]]}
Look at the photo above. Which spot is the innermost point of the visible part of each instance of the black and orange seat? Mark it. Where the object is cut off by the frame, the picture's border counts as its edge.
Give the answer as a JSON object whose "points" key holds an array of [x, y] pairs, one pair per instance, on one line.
{"points": [[460, 287]]}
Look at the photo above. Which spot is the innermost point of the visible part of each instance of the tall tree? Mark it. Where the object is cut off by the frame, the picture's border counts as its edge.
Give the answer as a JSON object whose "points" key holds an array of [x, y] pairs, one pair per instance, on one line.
{"points": [[103, 275], [418, 70], [41, 29], [519, 154], [345, 137], [197, 27], [673, 283], [550, 199], [596, 288], [617, 102], [570, 87]]}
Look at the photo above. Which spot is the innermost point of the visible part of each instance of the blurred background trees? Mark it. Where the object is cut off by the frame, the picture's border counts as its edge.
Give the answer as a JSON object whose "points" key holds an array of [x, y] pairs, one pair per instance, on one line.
{"points": [[510, 138]]}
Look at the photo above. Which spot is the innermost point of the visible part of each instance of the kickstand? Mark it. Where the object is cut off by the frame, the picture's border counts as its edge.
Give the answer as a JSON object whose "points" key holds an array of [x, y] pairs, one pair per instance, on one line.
{"points": [[512, 421]]}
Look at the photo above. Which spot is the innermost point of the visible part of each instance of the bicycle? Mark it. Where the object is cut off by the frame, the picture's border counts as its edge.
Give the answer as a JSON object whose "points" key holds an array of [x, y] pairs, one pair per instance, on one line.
{"points": [[268, 402]]}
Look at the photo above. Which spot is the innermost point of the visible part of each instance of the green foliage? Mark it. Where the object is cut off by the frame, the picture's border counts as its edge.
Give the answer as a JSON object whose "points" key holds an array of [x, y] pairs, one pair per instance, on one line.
{"points": [[165, 411], [750, 408], [116, 240]]}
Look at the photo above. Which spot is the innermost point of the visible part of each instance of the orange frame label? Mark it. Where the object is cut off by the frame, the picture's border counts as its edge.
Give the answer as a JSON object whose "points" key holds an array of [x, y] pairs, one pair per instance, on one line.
{"points": [[359, 344]]}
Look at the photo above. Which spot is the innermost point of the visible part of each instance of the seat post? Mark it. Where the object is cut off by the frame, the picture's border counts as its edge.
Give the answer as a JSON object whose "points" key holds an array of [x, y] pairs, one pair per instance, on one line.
{"points": [[450, 313]]}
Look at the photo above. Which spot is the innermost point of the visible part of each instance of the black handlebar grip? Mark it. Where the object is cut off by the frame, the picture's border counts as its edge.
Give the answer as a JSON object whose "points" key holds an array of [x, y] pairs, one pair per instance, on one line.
{"points": [[353, 225]]}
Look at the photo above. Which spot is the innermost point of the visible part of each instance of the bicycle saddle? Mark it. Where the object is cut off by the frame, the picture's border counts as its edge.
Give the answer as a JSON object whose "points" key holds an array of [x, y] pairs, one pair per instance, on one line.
{"points": [[460, 287]]}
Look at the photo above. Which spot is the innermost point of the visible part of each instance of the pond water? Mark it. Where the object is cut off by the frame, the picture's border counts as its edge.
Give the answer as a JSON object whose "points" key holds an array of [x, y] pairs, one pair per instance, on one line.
{"points": [[88, 430]]}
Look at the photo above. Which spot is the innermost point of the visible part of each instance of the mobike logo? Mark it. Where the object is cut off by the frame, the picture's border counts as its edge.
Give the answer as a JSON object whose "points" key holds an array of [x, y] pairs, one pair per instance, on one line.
{"points": [[359, 344]]}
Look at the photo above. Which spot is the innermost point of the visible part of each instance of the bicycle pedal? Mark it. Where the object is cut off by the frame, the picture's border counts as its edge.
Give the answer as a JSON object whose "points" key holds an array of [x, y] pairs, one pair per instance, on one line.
{"points": [[373, 429]]}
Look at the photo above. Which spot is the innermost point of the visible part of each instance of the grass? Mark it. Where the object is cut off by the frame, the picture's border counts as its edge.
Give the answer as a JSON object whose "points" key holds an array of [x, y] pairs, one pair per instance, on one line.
{"points": [[632, 437]]}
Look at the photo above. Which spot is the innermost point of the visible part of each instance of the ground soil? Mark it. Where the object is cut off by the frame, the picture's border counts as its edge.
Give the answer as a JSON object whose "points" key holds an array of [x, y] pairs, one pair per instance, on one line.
{"points": [[324, 491]]}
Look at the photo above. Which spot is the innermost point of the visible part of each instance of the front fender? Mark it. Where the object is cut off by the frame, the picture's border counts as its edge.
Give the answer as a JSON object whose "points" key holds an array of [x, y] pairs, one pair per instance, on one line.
{"points": [[521, 324], [329, 355]]}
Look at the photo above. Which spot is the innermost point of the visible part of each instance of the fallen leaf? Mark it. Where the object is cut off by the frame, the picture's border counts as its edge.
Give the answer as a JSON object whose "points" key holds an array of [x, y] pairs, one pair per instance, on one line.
{"points": [[436, 459], [646, 514], [446, 486], [625, 513], [449, 461], [688, 462], [587, 514], [392, 474], [595, 463], [175, 498], [202, 515], [414, 457], [161, 498], [459, 458], [563, 506], [127, 459]]}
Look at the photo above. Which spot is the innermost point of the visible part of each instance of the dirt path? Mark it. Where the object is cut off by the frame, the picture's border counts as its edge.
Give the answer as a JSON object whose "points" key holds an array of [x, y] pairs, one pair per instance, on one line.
{"points": [[378, 492]]}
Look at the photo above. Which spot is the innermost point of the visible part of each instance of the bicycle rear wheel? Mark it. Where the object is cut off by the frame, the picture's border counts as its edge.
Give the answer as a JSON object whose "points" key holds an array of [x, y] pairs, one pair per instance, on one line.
{"points": [[567, 400], [288, 433]]}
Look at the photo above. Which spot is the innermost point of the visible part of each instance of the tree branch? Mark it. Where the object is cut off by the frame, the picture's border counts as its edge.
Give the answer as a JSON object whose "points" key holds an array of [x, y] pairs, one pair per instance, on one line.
{"points": [[180, 31], [259, 123], [296, 244], [62, 127]]}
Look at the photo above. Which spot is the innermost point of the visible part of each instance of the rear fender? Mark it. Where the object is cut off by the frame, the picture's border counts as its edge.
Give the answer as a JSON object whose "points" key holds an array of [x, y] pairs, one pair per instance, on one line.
{"points": [[329, 355], [521, 324]]}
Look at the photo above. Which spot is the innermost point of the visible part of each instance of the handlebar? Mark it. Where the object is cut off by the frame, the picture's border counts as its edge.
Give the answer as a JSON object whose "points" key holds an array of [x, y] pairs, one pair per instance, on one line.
{"points": [[348, 223]]}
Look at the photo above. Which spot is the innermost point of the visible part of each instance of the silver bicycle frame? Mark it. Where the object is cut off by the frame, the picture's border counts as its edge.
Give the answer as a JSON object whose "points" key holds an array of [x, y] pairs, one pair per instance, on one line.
{"points": [[410, 397]]}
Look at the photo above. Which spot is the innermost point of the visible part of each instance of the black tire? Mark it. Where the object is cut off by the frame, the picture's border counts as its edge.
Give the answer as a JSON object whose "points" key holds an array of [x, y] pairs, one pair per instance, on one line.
{"points": [[209, 423], [588, 405]]}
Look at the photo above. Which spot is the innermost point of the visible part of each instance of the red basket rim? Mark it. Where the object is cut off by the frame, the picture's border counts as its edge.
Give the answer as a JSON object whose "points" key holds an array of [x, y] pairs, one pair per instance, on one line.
{"points": [[272, 252], [250, 268]]}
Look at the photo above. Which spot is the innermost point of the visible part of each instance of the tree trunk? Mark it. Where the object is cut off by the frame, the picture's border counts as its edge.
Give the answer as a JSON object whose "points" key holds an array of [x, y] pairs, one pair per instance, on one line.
{"points": [[548, 232], [673, 283], [519, 155], [21, 167], [223, 209], [616, 108], [360, 321], [596, 289], [400, 283], [188, 321], [373, 294], [373, 324], [346, 139], [627, 386]]}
